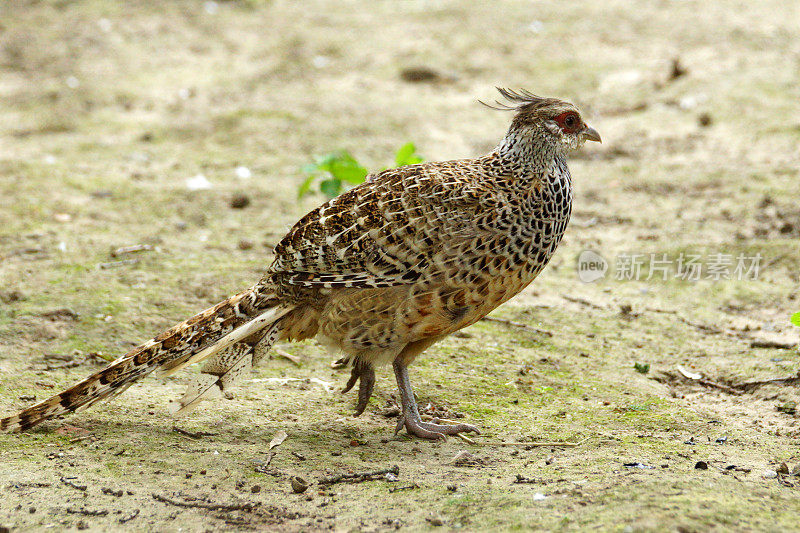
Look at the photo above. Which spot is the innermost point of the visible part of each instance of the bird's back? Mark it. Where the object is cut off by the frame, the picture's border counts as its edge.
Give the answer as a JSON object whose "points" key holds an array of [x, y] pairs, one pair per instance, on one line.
{"points": [[420, 252]]}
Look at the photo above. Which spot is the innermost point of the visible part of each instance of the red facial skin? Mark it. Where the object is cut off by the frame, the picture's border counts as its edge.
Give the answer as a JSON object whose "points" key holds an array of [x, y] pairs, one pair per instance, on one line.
{"points": [[570, 122]]}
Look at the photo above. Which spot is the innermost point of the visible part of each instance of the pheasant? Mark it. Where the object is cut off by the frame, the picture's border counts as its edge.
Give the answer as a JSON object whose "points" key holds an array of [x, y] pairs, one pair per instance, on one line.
{"points": [[381, 272]]}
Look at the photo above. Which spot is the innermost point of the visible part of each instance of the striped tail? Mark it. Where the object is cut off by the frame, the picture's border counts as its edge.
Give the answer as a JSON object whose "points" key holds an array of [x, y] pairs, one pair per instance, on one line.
{"points": [[215, 330]]}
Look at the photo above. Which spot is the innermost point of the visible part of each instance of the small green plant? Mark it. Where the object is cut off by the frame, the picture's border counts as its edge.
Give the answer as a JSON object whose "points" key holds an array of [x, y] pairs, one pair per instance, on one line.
{"points": [[795, 319], [642, 368], [339, 170], [334, 170], [407, 155]]}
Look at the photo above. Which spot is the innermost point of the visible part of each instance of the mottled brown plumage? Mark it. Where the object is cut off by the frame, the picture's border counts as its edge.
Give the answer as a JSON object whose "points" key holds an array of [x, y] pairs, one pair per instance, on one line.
{"points": [[382, 271]]}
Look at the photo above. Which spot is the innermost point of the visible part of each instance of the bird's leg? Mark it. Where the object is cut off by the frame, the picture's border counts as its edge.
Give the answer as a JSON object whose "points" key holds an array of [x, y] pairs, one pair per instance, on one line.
{"points": [[410, 417], [365, 375]]}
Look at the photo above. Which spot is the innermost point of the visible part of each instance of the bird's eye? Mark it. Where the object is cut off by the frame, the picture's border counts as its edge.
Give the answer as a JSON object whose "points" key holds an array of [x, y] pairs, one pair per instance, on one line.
{"points": [[569, 122]]}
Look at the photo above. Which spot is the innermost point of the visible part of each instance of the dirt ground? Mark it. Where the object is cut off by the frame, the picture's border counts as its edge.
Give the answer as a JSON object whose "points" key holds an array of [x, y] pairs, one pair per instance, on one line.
{"points": [[106, 109]]}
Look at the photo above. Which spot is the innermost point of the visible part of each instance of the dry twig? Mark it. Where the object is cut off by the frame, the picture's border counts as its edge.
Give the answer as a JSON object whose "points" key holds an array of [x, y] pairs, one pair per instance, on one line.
{"points": [[192, 434], [750, 385], [286, 355], [131, 249], [359, 477], [128, 518], [86, 512], [204, 505], [541, 444], [517, 325], [582, 301], [69, 483]]}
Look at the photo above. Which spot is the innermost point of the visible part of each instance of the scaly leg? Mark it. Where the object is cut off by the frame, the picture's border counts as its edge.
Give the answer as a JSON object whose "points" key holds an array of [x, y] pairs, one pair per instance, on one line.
{"points": [[410, 417], [365, 375]]}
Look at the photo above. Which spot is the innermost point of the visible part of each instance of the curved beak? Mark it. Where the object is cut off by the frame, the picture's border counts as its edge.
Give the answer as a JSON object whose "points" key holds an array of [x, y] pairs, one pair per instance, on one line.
{"points": [[590, 134]]}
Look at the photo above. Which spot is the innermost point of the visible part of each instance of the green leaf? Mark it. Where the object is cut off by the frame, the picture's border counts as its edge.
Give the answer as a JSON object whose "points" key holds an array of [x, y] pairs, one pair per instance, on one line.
{"points": [[402, 155], [349, 171], [311, 168], [642, 368], [795, 319], [324, 162], [306, 186], [407, 155], [331, 187]]}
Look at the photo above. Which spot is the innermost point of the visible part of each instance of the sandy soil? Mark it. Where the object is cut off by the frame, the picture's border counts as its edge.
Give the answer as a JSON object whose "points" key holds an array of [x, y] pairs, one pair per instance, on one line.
{"points": [[107, 109]]}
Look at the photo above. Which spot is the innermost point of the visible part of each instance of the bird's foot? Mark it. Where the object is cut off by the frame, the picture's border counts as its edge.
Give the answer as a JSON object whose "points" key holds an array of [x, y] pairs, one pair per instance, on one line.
{"points": [[410, 418], [365, 375], [432, 430]]}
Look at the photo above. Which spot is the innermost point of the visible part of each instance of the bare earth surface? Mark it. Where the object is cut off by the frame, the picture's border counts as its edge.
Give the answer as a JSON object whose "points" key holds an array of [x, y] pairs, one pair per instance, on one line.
{"points": [[106, 109]]}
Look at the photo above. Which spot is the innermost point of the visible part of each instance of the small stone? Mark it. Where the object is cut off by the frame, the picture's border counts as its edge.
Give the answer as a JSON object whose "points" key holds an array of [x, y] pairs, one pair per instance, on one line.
{"points": [[452, 488], [701, 465], [245, 244], [461, 458], [255, 489], [704, 120], [435, 521], [539, 497], [783, 469], [198, 183], [82, 525], [32, 510], [243, 173], [677, 69], [420, 75], [769, 474], [240, 201], [299, 485]]}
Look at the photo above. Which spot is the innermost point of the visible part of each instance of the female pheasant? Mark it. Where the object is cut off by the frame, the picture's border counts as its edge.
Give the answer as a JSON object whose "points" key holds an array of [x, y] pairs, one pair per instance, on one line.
{"points": [[381, 272]]}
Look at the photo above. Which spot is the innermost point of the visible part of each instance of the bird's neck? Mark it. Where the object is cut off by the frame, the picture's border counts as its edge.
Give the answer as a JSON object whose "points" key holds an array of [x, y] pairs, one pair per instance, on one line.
{"points": [[523, 154]]}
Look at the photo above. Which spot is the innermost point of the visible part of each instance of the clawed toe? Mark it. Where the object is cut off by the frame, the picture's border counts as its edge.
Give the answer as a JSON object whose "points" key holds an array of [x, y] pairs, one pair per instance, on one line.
{"points": [[433, 430], [423, 430], [452, 429], [364, 374]]}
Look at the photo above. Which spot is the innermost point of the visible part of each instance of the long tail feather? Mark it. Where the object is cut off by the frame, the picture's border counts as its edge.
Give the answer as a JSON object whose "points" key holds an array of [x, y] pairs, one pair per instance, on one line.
{"points": [[202, 336], [224, 370]]}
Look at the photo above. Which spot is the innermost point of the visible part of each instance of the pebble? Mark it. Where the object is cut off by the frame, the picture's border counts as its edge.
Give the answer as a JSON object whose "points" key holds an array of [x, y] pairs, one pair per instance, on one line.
{"points": [[243, 173], [198, 183], [240, 201], [299, 485], [769, 474]]}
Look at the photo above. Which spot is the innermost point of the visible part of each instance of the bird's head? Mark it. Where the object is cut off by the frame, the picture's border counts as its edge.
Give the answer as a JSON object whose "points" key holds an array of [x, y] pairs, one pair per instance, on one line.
{"points": [[548, 120]]}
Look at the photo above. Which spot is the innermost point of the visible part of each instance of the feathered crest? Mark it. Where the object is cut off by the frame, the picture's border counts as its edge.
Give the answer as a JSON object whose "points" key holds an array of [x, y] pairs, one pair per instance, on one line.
{"points": [[519, 100]]}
